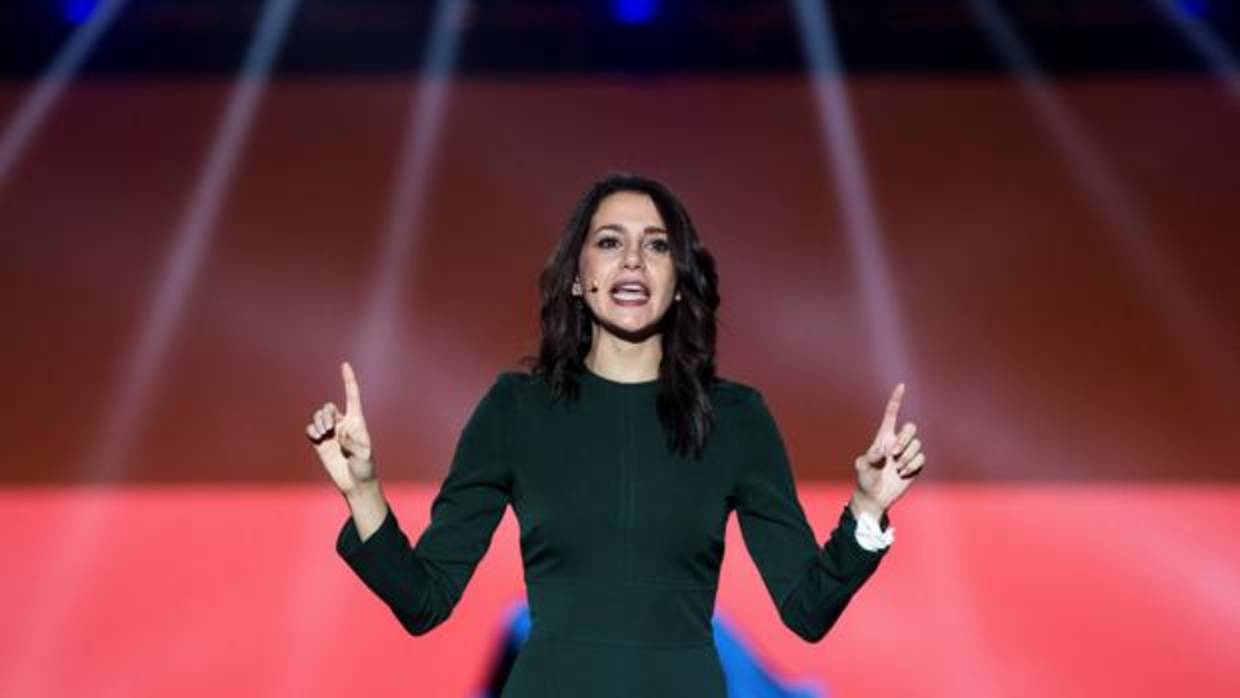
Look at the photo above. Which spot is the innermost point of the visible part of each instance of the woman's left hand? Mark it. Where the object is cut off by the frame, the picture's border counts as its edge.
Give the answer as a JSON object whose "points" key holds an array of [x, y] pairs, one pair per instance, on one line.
{"points": [[886, 470]]}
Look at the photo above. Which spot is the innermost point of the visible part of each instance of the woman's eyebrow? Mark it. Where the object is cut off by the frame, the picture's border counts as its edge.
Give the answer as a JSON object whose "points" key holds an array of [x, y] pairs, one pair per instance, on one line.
{"points": [[616, 227]]}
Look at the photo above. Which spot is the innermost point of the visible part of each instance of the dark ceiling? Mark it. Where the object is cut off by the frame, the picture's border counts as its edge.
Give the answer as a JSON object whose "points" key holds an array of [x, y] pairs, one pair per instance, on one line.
{"points": [[566, 36]]}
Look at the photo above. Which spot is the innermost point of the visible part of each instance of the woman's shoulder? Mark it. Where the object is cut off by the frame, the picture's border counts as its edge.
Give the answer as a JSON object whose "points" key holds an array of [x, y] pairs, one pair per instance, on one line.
{"points": [[726, 393], [513, 382], [741, 413], [519, 386]]}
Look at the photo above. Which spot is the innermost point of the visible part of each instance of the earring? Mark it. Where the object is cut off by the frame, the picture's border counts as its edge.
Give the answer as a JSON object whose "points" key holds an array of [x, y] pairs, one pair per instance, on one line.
{"points": [[677, 296]]}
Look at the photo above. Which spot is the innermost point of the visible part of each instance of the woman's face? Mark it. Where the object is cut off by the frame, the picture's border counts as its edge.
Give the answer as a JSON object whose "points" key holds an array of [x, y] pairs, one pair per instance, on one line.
{"points": [[628, 255]]}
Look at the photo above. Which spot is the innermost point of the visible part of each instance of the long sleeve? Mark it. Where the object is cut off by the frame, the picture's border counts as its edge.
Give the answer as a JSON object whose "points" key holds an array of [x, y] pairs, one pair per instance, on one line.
{"points": [[422, 584], [810, 585]]}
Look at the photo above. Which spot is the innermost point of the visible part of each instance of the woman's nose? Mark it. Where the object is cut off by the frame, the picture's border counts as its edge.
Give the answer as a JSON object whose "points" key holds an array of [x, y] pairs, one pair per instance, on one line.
{"points": [[633, 258]]}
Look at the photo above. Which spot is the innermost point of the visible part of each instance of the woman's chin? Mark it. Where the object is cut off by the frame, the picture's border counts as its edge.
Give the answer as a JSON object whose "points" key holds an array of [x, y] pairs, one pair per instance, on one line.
{"points": [[630, 328]]}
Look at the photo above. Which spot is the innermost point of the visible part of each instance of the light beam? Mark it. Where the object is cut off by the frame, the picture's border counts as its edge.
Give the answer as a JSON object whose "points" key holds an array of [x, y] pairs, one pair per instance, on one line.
{"points": [[881, 310], [1201, 340], [385, 303], [23, 126], [384, 307], [75, 537], [1205, 42]]}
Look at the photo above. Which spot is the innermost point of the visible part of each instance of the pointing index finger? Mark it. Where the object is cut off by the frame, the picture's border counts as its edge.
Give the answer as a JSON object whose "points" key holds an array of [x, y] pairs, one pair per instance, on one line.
{"points": [[353, 396], [893, 410]]}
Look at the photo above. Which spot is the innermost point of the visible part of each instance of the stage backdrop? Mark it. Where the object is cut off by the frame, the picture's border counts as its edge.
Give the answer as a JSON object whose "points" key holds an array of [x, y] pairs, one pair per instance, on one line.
{"points": [[1066, 314]]}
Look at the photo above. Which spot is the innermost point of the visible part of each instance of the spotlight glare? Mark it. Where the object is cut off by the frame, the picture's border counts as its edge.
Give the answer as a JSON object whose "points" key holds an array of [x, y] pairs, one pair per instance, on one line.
{"points": [[78, 11], [634, 11], [1194, 8]]}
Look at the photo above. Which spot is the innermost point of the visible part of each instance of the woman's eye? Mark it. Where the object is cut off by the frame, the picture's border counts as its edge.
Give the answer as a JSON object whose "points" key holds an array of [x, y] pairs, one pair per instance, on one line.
{"points": [[608, 243], [660, 245]]}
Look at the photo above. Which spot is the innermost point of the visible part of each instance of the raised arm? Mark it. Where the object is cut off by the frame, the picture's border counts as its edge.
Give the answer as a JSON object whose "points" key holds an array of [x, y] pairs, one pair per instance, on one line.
{"points": [[421, 584], [810, 584]]}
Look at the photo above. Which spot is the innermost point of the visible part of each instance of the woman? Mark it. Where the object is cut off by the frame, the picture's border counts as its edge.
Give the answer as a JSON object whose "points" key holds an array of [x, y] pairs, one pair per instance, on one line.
{"points": [[622, 454]]}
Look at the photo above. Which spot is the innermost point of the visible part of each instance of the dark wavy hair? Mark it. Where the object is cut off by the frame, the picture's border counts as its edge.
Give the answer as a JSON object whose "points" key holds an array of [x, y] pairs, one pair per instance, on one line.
{"points": [[687, 369]]}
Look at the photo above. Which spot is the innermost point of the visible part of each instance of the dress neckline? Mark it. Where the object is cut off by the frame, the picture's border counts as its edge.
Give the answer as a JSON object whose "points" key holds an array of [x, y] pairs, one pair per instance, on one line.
{"points": [[592, 377]]}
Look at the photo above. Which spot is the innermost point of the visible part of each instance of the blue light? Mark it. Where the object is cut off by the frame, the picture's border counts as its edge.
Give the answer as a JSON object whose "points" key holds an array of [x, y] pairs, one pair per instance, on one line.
{"points": [[634, 11], [78, 11], [1194, 8]]}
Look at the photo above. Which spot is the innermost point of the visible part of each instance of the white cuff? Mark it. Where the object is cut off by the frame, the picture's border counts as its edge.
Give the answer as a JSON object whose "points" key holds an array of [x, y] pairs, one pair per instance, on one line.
{"points": [[870, 536]]}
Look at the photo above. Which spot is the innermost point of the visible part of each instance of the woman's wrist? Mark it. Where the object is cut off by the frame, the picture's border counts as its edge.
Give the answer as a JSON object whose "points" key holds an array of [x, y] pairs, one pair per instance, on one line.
{"points": [[362, 490], [861, 503], [367, 506]]}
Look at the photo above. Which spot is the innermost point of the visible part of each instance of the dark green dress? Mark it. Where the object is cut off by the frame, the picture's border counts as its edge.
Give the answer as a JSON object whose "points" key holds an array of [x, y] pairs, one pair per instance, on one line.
{"points": [[621, 539]]}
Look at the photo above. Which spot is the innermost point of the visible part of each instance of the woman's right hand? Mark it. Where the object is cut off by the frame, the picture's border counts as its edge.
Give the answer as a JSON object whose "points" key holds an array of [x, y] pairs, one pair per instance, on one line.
{"points": [[341, 440]]}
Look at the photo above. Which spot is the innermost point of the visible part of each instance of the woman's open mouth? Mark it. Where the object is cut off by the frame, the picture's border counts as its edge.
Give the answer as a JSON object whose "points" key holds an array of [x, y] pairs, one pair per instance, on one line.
{"points": [[630, 293]]}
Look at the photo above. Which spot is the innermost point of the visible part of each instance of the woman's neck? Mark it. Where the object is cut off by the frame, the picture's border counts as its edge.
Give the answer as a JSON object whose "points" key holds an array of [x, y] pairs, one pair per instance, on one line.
{"points": [[622, 361]]}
